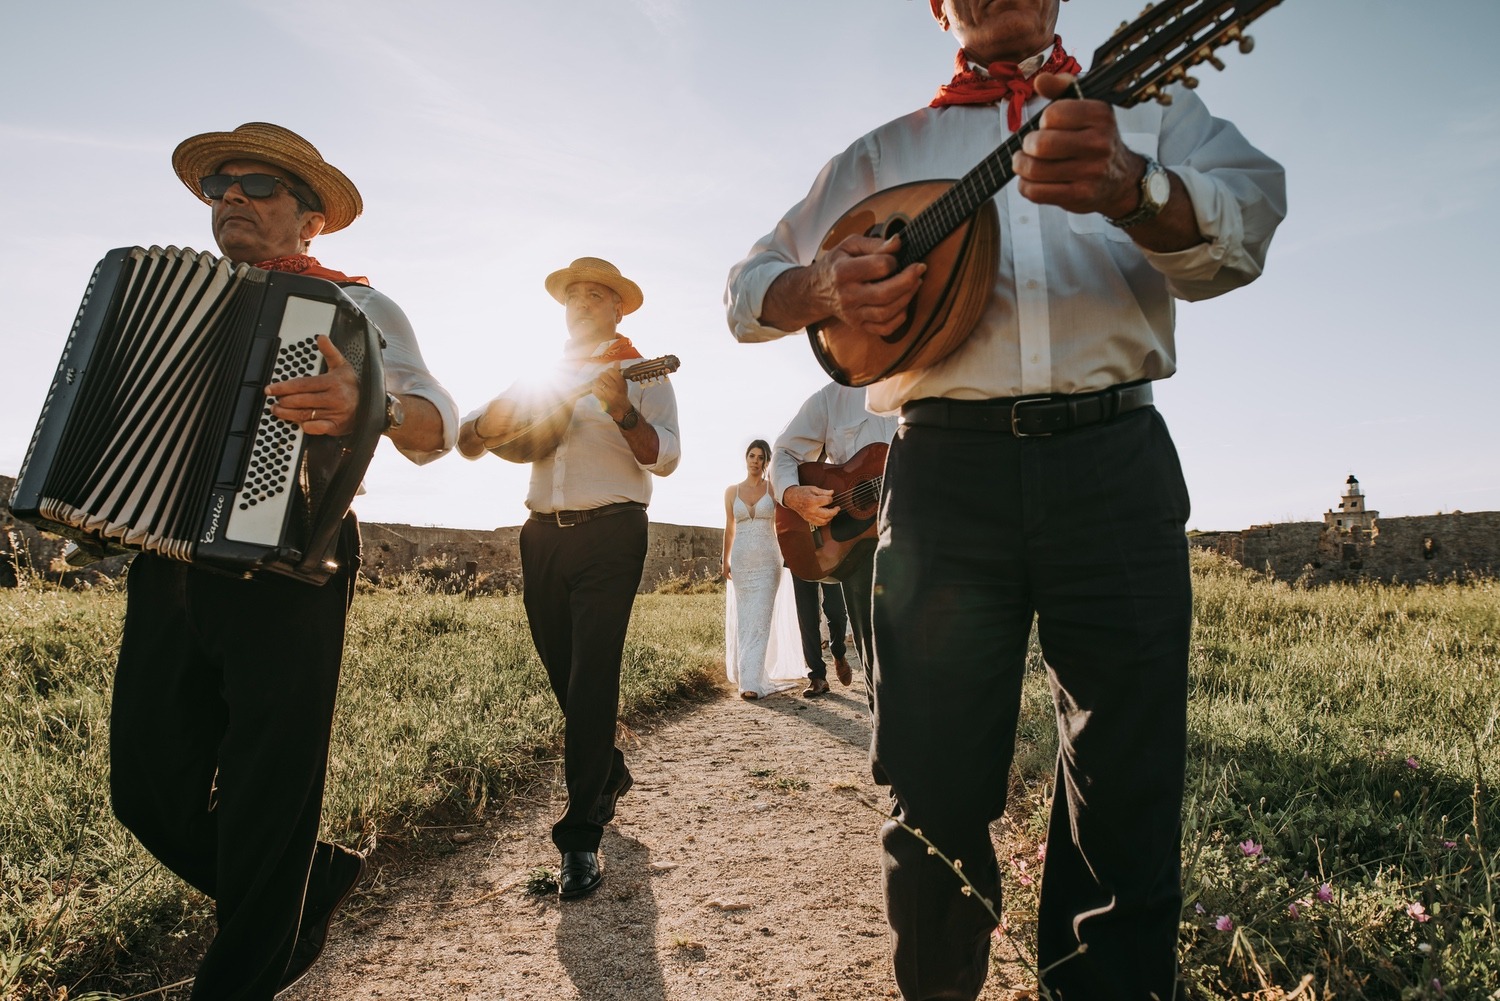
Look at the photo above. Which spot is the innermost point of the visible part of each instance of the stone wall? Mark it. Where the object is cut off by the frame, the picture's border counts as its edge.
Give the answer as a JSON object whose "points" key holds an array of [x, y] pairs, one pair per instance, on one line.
{"points": [[1455, 546], [671, 550]]}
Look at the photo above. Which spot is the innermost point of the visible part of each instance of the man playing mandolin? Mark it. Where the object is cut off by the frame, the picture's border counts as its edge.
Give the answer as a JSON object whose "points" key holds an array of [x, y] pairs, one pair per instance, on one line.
{"points": [[584, 545], [1032, 480]]}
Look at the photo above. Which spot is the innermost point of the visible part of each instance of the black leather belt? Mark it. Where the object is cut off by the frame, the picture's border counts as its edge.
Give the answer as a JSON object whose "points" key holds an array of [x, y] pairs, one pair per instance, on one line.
{"points": [[567, 519], [1029, 416]]}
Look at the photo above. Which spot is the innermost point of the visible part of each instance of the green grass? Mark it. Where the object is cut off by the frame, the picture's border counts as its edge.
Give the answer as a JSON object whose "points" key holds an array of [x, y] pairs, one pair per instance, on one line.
{"points": [[1343, 746], [443, 712]]}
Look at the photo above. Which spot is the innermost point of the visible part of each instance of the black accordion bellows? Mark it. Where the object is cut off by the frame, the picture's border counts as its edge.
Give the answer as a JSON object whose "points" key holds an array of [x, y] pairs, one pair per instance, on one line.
{"points": [[156, 435]]}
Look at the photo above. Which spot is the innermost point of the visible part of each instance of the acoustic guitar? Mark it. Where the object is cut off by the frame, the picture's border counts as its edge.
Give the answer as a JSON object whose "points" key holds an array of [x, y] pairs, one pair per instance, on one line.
{"points": [[550, 413], [953, 226], [830, 553]]}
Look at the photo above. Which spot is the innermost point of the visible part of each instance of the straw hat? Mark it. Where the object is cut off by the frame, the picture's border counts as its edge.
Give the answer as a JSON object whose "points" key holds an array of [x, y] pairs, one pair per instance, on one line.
{"points": [[201, 155], [594, 269]]}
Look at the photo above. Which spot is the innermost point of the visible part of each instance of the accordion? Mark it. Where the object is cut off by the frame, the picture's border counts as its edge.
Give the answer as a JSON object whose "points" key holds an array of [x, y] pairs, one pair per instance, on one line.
{"points": [[157, 437]]}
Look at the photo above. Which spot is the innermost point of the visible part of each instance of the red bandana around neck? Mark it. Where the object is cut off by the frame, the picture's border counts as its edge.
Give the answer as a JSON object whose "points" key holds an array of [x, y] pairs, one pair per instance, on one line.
{"points": [[301, 264], [1004, 83], [619, 350]]}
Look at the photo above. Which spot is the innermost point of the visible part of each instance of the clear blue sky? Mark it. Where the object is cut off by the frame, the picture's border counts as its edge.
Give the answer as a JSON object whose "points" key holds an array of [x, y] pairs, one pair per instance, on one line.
{"points": [[496, 141]]}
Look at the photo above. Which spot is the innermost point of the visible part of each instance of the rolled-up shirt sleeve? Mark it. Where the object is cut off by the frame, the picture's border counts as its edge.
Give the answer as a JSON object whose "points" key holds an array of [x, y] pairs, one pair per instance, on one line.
{"points": [[794, 242], [804, 439], [406, 374], [657, 404], [1238, 195]]}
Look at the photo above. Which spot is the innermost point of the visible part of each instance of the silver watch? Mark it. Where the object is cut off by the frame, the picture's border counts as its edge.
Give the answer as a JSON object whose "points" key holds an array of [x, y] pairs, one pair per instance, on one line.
{"points": [[395, 413], [1156, 188]]}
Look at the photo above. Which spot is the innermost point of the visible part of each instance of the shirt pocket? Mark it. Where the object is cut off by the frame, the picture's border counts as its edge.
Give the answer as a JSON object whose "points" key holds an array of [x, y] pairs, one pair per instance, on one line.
{"points": [[1094, 224]]}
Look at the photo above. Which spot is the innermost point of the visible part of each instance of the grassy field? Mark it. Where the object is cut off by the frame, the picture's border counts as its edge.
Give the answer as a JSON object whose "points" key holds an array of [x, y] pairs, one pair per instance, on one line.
{"points": [[1340, 829], [443, 711]]}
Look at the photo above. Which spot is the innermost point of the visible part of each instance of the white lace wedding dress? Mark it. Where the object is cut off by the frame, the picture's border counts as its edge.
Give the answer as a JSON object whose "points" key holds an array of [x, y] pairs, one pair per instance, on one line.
{"points": [[762, 647]]}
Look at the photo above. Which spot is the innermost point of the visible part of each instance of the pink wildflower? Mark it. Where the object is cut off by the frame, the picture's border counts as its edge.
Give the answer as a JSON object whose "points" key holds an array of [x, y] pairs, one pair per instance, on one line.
{"points": [[1249, 847], [1412, 763], [1292, 910], [1325, 892], [1198, 908], [1041, 852], [1418, 913], [1225, 923], [1450, 845]]}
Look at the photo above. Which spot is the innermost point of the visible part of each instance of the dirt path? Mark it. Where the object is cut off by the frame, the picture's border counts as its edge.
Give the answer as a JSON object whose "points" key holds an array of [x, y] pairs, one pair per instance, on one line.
{"points": [[743, 865]]}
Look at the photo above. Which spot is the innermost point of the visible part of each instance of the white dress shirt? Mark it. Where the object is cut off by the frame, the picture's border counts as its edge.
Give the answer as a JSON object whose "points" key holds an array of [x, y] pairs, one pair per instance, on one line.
{"points": [[833, 423], [594, 465], [1076, 304], [406, 373]]}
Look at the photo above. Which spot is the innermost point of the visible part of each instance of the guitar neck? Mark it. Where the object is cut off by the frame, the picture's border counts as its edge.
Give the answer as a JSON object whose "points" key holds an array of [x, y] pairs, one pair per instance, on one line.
{"points": [[961, 201]]}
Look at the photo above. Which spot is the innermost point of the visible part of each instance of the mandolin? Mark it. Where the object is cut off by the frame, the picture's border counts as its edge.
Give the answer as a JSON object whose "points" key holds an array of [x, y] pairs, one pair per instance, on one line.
{"points": [[831, 552], [953, 226], [547, 416]]}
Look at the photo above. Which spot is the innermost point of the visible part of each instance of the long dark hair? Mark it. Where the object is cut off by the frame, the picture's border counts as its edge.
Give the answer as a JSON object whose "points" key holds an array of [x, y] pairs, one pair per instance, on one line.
{"points": [[759, 443]]}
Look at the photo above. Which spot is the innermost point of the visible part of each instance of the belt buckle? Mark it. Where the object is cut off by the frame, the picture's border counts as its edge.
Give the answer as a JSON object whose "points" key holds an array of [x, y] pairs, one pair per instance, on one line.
{"points": [[573, 518], [1015, 418]]}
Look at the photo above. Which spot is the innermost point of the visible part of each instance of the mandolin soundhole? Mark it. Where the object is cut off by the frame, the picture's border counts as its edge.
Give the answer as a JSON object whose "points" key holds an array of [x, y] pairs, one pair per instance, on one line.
{"points": [[891, 227]]}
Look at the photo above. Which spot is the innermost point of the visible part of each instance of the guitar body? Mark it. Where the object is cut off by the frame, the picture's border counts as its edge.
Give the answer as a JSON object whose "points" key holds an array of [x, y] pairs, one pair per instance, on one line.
{"points": [[954, 292], [832, 552], [544, 432]]}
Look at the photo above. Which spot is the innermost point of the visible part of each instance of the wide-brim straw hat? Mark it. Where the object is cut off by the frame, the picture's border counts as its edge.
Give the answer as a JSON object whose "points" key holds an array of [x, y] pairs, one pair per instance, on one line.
{"points": [[201, 155], [595, 269]]}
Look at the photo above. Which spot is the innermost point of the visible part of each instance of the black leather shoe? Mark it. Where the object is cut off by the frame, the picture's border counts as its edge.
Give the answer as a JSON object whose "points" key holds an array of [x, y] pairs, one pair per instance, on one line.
{"points": [[604, 807], [580, 875], [335, 872]]}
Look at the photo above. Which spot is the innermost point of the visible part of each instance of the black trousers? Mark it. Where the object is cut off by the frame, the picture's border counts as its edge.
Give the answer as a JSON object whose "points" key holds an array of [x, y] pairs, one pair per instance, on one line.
{"points": [[223, 703], [858, 593], [1083, 532], [579, 586], [810, 622]]}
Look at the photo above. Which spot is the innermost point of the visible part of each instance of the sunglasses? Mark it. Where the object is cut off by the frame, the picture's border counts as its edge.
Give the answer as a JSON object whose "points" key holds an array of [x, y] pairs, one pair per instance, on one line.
{"points": [[216, 186]]}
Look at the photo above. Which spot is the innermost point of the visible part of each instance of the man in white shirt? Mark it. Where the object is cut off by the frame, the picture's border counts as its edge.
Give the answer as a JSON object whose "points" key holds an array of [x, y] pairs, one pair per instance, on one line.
{"points": [[1032, 480], [584, 545], [219, 741], [831, 426]]}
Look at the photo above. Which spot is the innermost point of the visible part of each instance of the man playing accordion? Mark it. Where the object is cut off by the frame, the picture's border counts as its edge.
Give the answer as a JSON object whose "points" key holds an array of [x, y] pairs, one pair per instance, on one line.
{"points": [[219, 732]]}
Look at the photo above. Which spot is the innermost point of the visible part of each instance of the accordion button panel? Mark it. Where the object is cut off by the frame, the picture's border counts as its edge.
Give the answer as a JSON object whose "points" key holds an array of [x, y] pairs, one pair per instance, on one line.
{"points": [[260, 507]]}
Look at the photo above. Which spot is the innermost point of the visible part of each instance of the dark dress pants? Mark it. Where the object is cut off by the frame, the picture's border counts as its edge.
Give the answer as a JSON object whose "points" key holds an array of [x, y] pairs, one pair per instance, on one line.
{"points": [[579, 586], [858, 590], [982, 532], [810, 622], [219, 728]]}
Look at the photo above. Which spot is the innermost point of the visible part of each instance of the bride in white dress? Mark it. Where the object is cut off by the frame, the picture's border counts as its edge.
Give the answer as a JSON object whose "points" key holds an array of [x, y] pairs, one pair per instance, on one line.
{"points": [[762, 647]]}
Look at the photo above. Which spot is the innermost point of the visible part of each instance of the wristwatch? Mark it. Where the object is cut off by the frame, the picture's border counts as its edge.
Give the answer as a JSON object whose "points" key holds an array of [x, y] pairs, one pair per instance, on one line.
{"points": [[395, 413], [630, 420], [1156, 188]]}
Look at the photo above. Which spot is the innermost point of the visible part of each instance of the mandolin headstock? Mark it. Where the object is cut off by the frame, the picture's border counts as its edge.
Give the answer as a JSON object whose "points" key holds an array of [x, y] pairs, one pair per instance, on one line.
{"points": [[653, 369], [1157, 49]]}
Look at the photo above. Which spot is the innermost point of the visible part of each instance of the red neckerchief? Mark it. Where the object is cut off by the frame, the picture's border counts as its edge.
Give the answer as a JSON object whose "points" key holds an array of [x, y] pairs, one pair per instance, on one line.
{"points": [[301, 264], [1004, 82], [620, 349]]}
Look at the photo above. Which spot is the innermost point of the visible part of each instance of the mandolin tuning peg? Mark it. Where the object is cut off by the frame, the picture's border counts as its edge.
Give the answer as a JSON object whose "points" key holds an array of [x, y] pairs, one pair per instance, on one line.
{"points": [[1164, 99], [1247, 45], [1206, 55], [1190, 82]]}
